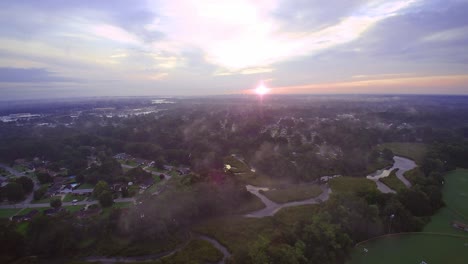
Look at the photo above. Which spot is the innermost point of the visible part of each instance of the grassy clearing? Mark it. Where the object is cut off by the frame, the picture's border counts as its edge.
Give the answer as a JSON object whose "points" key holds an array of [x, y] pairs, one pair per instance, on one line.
{"points": [[86, 186], [197, 251], [393, 182], [431, 248], [46, 200], [238, 232], [414, 151], [40, 209], [293, 193], [115, 246], [7, 213], [252, 204], [413, 175], [70, 197], [455, 191], [413, 248], [74, 208], [122, 205], [352, 185], [22, 228]]}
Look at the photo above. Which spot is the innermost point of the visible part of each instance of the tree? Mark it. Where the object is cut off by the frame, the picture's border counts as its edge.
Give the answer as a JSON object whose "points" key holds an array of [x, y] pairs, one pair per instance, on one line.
{"points": [[44, 177], [387, 154], [14, 192], [105, 199], [39, 193], [56, 203], [26, 183], [100, 187]]}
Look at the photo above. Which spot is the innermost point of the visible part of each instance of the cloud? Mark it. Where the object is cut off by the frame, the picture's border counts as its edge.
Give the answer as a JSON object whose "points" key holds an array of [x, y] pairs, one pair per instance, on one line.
{"points": [[18, 75], [452, 84], [258, 39]]}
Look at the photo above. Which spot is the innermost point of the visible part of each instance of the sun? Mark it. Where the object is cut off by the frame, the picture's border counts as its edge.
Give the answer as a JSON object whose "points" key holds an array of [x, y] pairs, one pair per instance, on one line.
{"points": [[262, 89]]}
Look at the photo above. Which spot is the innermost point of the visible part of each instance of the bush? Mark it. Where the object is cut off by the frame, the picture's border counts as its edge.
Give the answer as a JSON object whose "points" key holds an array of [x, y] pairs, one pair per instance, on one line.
{"points": [[39, 193], [56, 203]]}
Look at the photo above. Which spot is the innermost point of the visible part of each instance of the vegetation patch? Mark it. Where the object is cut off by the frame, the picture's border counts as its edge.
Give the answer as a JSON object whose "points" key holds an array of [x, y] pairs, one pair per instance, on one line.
{"points": [[413, 175], [7, 213], [74, 208], [414, 151], [455, 191], [196, 251], [412, 248], [122, 205], [352, 185], [46, 200], [295, 192], [393, 182], [70, 197]]}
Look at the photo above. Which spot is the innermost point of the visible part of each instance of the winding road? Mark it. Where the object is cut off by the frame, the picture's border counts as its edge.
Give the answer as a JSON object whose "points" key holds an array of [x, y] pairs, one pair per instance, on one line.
{"points": [[402, 164], [272, 208]]}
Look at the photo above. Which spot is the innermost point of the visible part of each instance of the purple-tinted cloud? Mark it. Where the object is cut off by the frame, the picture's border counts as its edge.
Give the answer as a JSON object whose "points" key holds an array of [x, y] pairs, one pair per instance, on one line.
{"points": [[32, 75]]}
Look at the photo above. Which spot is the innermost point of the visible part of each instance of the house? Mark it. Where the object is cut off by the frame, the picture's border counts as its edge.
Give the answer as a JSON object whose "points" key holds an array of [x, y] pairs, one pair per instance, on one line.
{"points": [[122, 156], [117, 187], [183, 171], [145, 184], [25, 217]]}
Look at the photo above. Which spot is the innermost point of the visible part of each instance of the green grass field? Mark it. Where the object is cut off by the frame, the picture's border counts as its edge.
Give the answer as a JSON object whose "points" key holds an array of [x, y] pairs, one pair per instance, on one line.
{"points": [[86, 186], [351, 185], [238, 232], [70, 197], [450, 245], [196, 251], [456, 191], [7, 213], [295, 192], [393, 182], [414, 151], [45, 200], [412, 249]]}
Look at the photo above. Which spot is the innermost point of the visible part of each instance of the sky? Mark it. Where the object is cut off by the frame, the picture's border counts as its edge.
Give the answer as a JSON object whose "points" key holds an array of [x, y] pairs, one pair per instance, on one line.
{"points": [[56, 48]]}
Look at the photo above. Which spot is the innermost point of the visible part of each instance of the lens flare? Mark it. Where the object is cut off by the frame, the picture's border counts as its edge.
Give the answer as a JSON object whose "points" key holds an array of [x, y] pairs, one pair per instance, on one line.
{"points": [[262, 89]]}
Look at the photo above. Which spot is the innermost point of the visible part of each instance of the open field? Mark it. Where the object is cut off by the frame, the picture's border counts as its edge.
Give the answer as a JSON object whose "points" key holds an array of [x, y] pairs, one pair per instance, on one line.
{"points": [[393, 182], [414, 151], [351, 185], [447, 245], [238, 232], [46, 200], [413, 248], [86, 186], [70, 197], [7, 213], [292, 193], [456, 191], [197, 251]]}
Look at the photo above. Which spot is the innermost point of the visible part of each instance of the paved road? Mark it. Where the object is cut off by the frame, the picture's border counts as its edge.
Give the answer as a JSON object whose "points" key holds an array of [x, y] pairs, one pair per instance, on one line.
{"points": [[11, 170], [218, 246], [402, 164], [272, 208], [32, 205]]}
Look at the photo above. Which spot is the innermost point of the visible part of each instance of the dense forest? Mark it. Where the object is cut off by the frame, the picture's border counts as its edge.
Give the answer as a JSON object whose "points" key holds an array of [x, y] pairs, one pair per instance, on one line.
{"points": [[290, 141]]}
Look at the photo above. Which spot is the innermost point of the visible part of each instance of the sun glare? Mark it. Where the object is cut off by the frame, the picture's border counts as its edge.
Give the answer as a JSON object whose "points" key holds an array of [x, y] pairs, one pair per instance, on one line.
{"points": [[262, 89]]}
